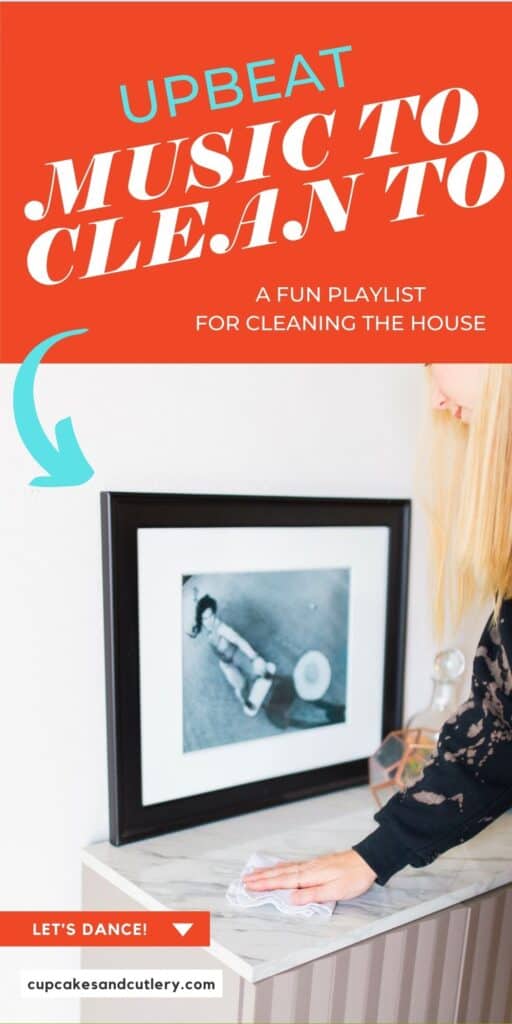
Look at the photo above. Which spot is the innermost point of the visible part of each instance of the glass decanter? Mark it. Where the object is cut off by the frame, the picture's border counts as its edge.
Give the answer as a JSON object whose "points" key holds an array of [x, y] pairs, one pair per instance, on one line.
{"points": [[403, 754], [448, 668]]}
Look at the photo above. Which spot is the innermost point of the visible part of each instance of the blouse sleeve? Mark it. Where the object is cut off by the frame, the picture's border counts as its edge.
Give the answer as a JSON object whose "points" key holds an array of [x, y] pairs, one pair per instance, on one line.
{"points": [[468, 781]]}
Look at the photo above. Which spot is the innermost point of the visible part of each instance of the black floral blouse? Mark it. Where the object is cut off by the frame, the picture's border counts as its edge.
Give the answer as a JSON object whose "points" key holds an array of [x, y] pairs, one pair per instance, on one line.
{"points": [[468, 781]]}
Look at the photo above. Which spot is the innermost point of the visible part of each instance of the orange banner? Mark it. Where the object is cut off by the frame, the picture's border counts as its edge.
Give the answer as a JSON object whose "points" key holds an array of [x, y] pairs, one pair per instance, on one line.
{"points": [[103, 928], [233, 182]]}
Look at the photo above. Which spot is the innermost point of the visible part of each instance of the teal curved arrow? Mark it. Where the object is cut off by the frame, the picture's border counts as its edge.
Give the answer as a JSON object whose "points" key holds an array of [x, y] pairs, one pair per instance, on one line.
{"points": [[65, 464]]}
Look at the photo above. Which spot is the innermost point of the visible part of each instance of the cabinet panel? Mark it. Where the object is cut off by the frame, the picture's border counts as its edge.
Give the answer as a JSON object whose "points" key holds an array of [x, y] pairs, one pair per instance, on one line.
{"points": [[449, 968]]}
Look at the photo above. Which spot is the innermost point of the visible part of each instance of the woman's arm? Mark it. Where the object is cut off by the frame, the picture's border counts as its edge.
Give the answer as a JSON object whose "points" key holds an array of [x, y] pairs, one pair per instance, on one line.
{"points": [[468, 783], [231, 634]]}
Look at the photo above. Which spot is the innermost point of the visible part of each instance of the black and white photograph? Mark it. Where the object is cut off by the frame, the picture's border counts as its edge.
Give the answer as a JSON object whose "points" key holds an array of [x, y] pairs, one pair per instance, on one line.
{"points": [[256, 647], [263, 652]]}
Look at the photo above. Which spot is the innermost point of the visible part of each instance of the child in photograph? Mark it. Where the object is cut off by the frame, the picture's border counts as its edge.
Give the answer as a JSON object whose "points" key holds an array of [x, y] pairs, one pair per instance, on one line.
{"points": [[245, 670], [255, 682]]}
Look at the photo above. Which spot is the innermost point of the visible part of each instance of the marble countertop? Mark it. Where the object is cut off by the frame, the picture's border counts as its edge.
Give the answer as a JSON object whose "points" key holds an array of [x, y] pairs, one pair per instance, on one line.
{"points": [[190, 870]]}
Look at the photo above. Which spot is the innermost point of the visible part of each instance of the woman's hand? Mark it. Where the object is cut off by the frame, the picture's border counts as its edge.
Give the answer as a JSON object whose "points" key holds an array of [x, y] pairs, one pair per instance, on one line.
{"points": [[336, 876]]}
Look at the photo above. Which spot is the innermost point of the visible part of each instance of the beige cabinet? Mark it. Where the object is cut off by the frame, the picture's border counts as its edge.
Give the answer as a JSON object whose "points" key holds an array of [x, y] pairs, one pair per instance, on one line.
{"points": [[454, 965]]}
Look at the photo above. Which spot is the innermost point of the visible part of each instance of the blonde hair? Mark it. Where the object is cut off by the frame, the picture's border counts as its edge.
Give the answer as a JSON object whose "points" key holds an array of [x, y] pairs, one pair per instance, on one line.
{"points": [[467, 488]]}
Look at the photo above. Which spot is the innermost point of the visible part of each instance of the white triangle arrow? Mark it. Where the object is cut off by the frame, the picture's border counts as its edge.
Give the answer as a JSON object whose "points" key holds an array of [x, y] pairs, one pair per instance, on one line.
{"points": [[182, 928]]}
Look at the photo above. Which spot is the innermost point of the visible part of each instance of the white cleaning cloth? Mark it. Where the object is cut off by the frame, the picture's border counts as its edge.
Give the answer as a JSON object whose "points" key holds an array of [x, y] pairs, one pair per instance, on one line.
{"points": [[239, 896]]}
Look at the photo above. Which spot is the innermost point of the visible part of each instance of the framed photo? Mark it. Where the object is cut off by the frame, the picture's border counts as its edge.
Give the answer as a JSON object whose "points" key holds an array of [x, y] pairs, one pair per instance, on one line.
{"points": [[254, 650]]}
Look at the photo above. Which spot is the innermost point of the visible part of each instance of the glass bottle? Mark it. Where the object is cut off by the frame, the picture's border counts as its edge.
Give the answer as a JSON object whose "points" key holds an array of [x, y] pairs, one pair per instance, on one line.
{"points": [[403, 754], [448, 668]]}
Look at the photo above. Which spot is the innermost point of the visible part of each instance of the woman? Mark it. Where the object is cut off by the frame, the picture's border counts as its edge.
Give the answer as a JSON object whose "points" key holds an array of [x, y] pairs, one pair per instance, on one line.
{"points": [[468, 782], [240, 663]]}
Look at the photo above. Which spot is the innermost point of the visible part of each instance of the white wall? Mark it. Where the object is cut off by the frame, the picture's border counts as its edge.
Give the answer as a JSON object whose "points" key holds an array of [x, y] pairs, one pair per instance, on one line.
{"points": [[319, 430]]}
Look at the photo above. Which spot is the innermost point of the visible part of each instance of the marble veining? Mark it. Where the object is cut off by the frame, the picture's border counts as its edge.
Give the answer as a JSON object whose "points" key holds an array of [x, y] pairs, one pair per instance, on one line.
{"points": [[191, 870]]}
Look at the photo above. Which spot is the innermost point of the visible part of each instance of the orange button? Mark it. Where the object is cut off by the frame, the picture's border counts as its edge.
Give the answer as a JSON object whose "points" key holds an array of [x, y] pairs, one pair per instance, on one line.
{"points": [[105, 928]]}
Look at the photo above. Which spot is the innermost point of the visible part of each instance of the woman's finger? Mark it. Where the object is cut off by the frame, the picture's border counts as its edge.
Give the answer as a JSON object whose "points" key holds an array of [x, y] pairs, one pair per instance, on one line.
{"points": [[278, 869], [280, 866], [297, 877], [315, 894], [286, 880]]}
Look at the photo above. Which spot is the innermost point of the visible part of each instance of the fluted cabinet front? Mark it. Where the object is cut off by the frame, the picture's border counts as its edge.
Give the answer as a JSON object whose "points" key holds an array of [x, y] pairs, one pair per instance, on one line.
{"points": [[453, 966]]}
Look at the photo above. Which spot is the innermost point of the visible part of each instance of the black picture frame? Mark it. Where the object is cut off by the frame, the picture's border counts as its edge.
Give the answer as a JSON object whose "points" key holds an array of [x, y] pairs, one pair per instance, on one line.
{"points": [[122, 514]]}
